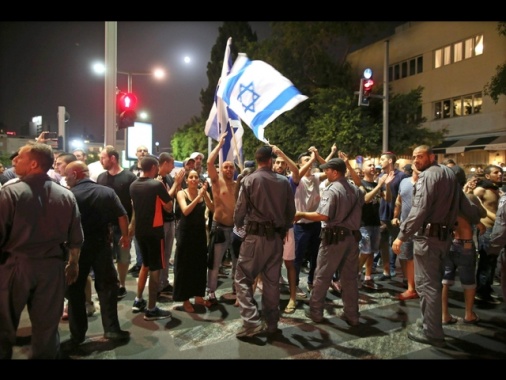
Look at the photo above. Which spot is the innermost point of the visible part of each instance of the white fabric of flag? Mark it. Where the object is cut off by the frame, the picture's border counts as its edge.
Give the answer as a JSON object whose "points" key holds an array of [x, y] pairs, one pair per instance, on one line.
{"points": [[258, 93], [222, 118]]}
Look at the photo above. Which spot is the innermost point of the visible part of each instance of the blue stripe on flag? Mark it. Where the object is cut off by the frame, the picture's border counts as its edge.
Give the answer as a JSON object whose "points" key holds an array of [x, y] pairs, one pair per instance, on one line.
{"points": [[276, 105]]}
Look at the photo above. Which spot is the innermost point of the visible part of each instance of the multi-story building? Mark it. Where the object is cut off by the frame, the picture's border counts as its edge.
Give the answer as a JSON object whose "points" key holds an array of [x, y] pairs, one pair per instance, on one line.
{"points": [[452, 61]]}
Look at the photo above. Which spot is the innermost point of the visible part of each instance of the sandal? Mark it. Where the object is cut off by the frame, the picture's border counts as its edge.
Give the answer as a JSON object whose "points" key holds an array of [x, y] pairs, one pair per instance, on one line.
{"points": [[203, 302], [290, 308], [185, 309], [473, 321], [407, 295], [451, 321]]}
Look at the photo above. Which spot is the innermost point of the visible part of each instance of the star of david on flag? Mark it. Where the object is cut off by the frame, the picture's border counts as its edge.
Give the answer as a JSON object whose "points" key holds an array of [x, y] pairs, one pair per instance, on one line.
{"points": [[222, 118], [257, 93]]}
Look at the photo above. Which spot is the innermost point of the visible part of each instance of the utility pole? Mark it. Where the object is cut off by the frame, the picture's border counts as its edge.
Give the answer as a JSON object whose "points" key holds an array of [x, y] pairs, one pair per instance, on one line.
{"points": [[385, 99], [111, 60]]}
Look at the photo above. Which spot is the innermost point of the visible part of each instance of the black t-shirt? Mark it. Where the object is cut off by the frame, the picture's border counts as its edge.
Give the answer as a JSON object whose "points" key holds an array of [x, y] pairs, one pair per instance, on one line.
{"points": [[370, 211], [120, 183]]}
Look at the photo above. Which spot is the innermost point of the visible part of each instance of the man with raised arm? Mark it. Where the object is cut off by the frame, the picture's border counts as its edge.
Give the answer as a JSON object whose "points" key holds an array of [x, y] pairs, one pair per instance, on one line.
{"points": [[223, 187]]}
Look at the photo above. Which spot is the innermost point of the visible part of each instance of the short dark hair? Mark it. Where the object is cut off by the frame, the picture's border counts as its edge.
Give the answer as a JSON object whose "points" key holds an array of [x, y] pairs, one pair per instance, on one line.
{"points": [[390, 155], [148, 162], [263, 154], [165, 157]]}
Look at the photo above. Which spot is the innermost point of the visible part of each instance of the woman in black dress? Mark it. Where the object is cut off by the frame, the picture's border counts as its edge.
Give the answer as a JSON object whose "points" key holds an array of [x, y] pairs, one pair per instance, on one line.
{"points": [[190, 263]]}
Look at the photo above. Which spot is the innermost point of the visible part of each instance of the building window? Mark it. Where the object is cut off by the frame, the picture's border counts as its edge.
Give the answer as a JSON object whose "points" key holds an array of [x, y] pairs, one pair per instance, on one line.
{"points": [[469, 48], [458, 106], [447, 55], [457, 52], [438, 58], [406, 68]]}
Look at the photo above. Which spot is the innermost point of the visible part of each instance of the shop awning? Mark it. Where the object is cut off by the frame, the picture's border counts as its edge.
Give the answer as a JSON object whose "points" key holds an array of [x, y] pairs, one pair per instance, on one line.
{"points": [[464, 145]]}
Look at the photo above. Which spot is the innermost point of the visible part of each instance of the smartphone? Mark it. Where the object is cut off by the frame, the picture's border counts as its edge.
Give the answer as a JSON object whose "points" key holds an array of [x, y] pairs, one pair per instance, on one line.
{"points": [[50, 135]]}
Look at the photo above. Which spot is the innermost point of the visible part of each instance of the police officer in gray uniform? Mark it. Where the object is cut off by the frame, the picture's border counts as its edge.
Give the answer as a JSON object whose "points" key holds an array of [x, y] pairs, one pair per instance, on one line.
{"points": [[498, 240], [340, 210], [433, 214], [266, 206]]}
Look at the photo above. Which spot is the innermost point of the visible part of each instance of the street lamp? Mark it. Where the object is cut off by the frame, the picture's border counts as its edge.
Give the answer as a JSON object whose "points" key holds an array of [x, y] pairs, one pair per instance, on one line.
{"points": [[157, 73]]}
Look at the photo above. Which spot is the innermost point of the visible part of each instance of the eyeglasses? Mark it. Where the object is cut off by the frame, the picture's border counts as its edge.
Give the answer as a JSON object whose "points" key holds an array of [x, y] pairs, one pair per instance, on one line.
{"points": [[142, 150]]}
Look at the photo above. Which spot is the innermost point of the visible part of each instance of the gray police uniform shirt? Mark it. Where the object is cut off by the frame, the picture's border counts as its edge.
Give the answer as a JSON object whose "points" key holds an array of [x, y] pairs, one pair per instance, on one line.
{"points": [[432, 200], [342, 203], [267, 188]]}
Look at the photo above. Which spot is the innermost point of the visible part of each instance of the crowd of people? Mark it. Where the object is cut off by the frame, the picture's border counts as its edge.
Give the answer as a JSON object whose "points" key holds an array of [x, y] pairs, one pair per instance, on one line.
{"points": [[343, 221]]}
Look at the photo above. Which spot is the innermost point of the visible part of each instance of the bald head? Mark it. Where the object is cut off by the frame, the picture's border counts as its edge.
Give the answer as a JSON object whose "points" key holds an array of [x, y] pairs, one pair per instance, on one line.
{"points": [[76, 171]]}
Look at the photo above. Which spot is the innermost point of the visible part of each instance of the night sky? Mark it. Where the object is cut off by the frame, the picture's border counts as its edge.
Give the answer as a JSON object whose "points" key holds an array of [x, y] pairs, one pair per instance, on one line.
{"points": [[44, 65]]}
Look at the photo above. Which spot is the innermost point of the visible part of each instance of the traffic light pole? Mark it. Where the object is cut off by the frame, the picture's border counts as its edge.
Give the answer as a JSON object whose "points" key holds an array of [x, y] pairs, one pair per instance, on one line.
{"points": [[111, 44], [385, 99]]}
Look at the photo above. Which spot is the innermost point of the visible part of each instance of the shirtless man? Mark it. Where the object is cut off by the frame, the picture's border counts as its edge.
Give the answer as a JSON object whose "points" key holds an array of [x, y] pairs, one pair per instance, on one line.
{"points": [[223, 188], [488, 192], [462, 258]]}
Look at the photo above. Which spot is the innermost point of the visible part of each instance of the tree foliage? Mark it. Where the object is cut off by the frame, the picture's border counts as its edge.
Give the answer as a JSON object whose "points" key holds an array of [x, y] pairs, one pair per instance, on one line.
{"points": [[497, 85]]}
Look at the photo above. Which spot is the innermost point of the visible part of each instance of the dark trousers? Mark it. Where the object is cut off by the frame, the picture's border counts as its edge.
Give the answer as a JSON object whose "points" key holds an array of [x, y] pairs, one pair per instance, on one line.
{"points": [[307, 240], [486, 265], [96, 254]]}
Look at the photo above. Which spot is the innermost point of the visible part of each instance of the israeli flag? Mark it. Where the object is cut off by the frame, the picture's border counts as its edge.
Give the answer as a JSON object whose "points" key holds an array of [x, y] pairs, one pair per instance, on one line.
{"points": [[222, 118], [257, 93]]}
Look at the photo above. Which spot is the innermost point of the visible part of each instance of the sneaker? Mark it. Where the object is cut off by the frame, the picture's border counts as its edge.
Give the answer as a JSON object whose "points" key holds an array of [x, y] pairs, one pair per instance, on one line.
{"points": [[384, 277], [393, 273], [309, 287], [300, 293], [370, 284], [90, 309], [139, 306], [157, 313], [122, 292], [167, 290], [223, 272], [117, 335], [487, 298], [248, 332]]}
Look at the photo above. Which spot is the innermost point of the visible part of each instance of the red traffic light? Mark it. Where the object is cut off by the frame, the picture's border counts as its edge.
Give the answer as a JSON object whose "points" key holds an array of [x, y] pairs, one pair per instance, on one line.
{"points": [[368, 83], [127, 101]]}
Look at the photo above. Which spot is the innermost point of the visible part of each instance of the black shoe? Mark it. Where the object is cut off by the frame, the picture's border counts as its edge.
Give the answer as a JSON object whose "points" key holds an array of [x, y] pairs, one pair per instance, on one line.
{"points": [[370, 284], [135, 268], [384, 277], [308, 314], [419, 336], [349, 321], [167, 290], [122, 292], [117, 335]]}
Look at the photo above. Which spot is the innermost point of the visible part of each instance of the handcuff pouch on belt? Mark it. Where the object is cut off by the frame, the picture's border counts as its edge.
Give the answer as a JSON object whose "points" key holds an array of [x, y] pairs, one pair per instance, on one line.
{"points": [[266, 229], [439, 230], [333, 235]]}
